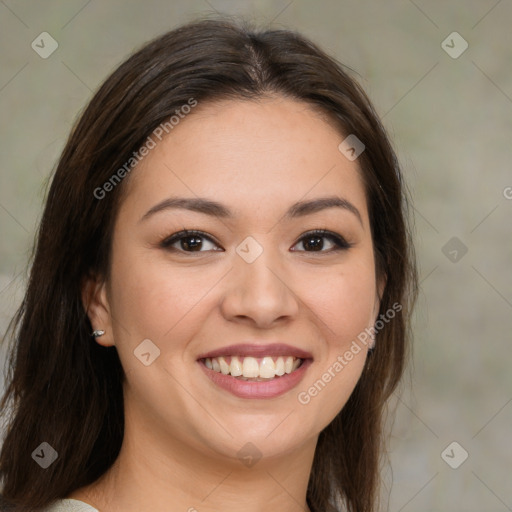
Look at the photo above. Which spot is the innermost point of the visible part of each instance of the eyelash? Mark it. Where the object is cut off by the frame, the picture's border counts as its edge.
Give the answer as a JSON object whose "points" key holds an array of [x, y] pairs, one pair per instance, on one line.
{"points": [[340, 243]]}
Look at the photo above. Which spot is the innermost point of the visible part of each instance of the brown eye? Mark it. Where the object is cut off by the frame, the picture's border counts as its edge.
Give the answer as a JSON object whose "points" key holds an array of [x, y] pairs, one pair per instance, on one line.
{"points": [[314, 241], [189, 241]]}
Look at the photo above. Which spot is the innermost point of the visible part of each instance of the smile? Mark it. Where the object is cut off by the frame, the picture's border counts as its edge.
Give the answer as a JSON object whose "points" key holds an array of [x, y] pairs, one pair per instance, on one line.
{"points": [[251, 368], [255, 370]]}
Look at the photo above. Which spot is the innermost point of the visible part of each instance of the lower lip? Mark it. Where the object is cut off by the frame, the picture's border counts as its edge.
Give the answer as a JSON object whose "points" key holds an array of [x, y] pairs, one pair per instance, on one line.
{"points": [[262, 389]]}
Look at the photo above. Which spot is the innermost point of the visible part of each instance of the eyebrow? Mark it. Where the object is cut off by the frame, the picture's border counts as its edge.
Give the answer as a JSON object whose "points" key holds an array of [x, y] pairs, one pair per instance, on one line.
{"points": [[215, 209]]}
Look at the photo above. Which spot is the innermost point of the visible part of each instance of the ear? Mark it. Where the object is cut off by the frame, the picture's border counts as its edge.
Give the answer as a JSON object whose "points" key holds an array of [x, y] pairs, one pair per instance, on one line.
{"points": [[96, 305]]}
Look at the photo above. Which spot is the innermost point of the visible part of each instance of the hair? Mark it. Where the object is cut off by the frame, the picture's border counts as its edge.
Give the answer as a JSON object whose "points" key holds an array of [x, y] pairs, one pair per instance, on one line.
{"points": [[63, 388]]}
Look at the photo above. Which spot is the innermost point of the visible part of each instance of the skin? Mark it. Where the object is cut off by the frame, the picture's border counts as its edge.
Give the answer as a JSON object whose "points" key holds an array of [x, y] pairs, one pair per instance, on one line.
{"points": [[183, 432]]}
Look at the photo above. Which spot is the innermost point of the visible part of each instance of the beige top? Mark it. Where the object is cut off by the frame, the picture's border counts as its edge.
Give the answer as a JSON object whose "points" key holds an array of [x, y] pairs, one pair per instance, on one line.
{"points": [[69, 505]]}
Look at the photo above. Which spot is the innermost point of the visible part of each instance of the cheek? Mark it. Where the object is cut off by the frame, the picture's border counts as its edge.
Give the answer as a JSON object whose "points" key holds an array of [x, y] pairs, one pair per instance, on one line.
{"points": [[343, 301], [152, 299], [344, 306]]}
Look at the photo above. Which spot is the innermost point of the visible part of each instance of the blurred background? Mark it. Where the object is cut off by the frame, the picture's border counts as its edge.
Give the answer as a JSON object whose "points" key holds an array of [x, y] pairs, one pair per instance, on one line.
{"points": [[440, 76]]}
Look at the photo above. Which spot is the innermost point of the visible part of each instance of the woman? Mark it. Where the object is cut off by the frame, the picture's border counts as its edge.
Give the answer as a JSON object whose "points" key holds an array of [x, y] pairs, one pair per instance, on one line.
{"points": [[220, 294]]}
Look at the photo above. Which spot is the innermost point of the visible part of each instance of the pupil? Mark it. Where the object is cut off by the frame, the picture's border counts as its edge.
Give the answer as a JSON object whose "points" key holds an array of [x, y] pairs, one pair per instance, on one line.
{"points": [[196, 242], [309, 242]]}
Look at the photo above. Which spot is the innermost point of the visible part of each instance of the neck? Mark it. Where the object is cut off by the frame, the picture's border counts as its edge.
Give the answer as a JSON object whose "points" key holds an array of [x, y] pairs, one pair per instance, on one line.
{"points": [[157, 473]]}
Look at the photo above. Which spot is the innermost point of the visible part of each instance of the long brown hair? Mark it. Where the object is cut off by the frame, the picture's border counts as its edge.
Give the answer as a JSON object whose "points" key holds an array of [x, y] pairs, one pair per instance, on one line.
{"points": [[66, 390]]}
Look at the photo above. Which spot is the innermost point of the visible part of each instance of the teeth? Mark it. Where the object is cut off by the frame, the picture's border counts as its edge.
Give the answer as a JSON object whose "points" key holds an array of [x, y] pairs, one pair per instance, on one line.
{"points": [[267, 368], [224, 367], [280, 366], [252, 368], [235, 368]]}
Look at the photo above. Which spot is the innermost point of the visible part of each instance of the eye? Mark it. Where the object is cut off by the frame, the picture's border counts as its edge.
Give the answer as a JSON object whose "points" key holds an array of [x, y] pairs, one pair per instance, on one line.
{"points": [[194, 241], [189, 240], [314, 240]]}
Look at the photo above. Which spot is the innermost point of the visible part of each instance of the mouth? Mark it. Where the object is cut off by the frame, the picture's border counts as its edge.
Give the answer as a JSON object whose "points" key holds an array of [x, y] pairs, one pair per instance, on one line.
{"points": [[251, 368], [256, 371]]}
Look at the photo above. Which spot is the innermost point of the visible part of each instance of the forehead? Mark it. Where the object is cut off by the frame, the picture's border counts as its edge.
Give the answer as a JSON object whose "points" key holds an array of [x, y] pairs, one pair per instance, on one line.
{"points": [[248, 154]]}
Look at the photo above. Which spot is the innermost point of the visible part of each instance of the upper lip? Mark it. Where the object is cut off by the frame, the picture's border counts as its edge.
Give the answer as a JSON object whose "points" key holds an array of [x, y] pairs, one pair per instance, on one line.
{"points": [[258, 350]]}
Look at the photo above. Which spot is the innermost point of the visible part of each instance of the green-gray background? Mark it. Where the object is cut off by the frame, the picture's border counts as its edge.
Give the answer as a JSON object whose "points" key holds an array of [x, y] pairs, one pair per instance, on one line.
{"points": [[450, 119]]}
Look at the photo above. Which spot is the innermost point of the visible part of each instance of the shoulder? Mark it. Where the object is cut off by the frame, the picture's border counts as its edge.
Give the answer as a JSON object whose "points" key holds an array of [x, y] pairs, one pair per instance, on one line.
{"points": [[69, 505], [65, 505]]}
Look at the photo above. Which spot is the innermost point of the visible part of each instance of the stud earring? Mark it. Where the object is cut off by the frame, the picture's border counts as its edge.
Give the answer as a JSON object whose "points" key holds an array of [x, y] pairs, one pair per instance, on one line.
{"points": [[97, 333]]}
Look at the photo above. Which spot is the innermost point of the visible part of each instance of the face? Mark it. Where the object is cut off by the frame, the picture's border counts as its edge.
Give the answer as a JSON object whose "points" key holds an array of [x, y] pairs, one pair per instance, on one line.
{"points": [[255, 285]]}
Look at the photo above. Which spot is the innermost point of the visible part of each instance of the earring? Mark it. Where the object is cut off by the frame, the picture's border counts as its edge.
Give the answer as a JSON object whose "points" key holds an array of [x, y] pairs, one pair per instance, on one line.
{"points": [[97, 333]]}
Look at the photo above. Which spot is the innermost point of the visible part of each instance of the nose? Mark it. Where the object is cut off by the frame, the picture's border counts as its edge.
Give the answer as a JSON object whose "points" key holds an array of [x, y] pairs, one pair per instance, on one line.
{"points": [[260, 292]]}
